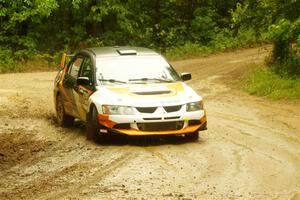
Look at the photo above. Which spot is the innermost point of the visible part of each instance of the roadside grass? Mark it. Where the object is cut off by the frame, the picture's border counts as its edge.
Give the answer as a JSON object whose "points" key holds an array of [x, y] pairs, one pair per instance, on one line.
{"points": [[263, 82], [32, 65]]}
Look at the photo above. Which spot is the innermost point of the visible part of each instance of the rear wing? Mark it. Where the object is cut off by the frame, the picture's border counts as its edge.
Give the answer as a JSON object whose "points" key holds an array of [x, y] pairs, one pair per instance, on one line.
{"points": [[65, 59]]}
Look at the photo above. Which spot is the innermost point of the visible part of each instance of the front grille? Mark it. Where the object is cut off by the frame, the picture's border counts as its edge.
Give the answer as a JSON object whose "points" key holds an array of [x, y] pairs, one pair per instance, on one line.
{"points": [[146, 109], [172, 108], [161, 126], [122, 126]]}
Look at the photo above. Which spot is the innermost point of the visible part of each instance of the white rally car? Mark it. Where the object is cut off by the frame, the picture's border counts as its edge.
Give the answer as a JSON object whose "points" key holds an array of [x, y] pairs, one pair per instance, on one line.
{"points": [[126, 90]]}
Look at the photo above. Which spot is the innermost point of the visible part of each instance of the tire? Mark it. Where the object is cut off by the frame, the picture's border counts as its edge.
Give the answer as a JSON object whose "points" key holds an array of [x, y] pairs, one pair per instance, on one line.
{"points": [[93, 127], [62, 118], [193, 136]]}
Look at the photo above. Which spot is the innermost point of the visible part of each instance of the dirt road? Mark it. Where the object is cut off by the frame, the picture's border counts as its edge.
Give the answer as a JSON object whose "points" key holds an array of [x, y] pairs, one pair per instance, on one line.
{"points": [[250, 151]]}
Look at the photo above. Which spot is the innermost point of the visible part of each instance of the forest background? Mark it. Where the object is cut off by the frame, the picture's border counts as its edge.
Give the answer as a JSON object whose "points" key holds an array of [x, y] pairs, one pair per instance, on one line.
{"points": [[43, 29]]}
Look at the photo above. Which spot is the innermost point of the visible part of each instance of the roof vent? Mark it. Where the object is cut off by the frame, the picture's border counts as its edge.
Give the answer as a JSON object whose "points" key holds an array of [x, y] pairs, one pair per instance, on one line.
{"points": [[126, 52]]}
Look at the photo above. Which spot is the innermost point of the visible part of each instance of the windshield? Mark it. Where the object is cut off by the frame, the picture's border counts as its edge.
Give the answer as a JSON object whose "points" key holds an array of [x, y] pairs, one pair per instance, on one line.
{"points": [[134, 69]]}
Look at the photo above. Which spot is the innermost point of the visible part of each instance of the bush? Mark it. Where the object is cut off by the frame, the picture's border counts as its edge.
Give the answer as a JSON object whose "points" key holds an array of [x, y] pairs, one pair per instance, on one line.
{"points": [[225, 40], [7, 62], [285, 59]]}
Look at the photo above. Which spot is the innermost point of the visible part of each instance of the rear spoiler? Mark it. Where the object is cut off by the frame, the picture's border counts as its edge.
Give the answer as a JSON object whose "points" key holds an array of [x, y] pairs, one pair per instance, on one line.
{"points": [[65, 59]]}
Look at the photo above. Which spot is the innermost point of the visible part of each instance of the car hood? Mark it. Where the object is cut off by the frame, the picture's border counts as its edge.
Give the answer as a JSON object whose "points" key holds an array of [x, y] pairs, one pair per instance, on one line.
{"points": [[154, 94]]}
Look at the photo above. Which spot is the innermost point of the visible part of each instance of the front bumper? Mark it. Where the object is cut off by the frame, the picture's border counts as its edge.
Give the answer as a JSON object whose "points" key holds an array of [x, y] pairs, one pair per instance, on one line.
{"points": [[168, 124]]}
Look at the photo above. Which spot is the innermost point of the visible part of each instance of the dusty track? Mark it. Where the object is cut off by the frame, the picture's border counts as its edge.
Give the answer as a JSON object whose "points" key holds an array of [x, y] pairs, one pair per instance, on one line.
{"points": [[250, 151]]}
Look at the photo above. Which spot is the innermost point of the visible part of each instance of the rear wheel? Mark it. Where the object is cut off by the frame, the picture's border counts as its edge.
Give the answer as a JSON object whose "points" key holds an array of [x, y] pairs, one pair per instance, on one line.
{"points": [[62, 118], [193, 136], [93, 127]]}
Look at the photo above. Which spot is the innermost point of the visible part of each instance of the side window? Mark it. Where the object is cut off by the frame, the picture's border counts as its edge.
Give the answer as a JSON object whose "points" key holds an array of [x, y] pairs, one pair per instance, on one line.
{"points": [[86, 69], [74, 68]]}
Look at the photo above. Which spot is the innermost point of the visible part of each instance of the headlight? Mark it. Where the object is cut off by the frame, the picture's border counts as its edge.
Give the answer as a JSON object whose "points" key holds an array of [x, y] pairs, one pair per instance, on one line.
{"points": [[117, 110], [194, 106]]}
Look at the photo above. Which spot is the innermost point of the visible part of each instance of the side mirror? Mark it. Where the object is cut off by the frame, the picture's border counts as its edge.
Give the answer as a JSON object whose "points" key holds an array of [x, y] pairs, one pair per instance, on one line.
{"points": [[63, 60], [186, 76], [83, 81]]}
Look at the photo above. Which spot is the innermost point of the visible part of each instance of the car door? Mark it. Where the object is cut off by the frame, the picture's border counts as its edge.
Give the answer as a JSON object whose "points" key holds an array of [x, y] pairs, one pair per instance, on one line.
{"points": [[84, 90], [70, 85]]}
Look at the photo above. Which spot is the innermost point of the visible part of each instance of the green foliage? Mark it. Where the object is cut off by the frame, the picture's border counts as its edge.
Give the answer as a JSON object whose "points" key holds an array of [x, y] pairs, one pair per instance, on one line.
{"points": [[285, 57], [18, 22], [204, 25], [265, 82], [282, 34], [175, 27], [6, 60], [256, 15], [221, 42]]}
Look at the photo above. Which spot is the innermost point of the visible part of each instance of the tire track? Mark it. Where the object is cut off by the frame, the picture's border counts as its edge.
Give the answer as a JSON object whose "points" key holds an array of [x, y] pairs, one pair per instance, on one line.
{"points": [[55, 185], [95, 178]]}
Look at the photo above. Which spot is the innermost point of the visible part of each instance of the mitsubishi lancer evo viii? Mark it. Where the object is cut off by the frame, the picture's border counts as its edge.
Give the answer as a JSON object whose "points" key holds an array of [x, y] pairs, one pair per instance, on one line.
{"points": [[126, 90]]}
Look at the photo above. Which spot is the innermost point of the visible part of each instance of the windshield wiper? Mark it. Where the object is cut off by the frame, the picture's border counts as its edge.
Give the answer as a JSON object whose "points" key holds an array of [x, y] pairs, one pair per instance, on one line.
{"points": [[151, 79], [111, 80]]}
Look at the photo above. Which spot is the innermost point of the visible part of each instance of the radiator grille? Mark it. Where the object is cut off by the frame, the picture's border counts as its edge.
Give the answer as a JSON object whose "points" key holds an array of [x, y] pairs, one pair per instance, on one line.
{"points": [[146, 109], [172, 108], [161, 126]]}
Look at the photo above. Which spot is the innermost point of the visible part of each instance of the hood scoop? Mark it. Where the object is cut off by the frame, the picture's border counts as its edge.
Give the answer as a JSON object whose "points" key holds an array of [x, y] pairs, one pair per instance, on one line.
{"points": [[151, 90]]}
